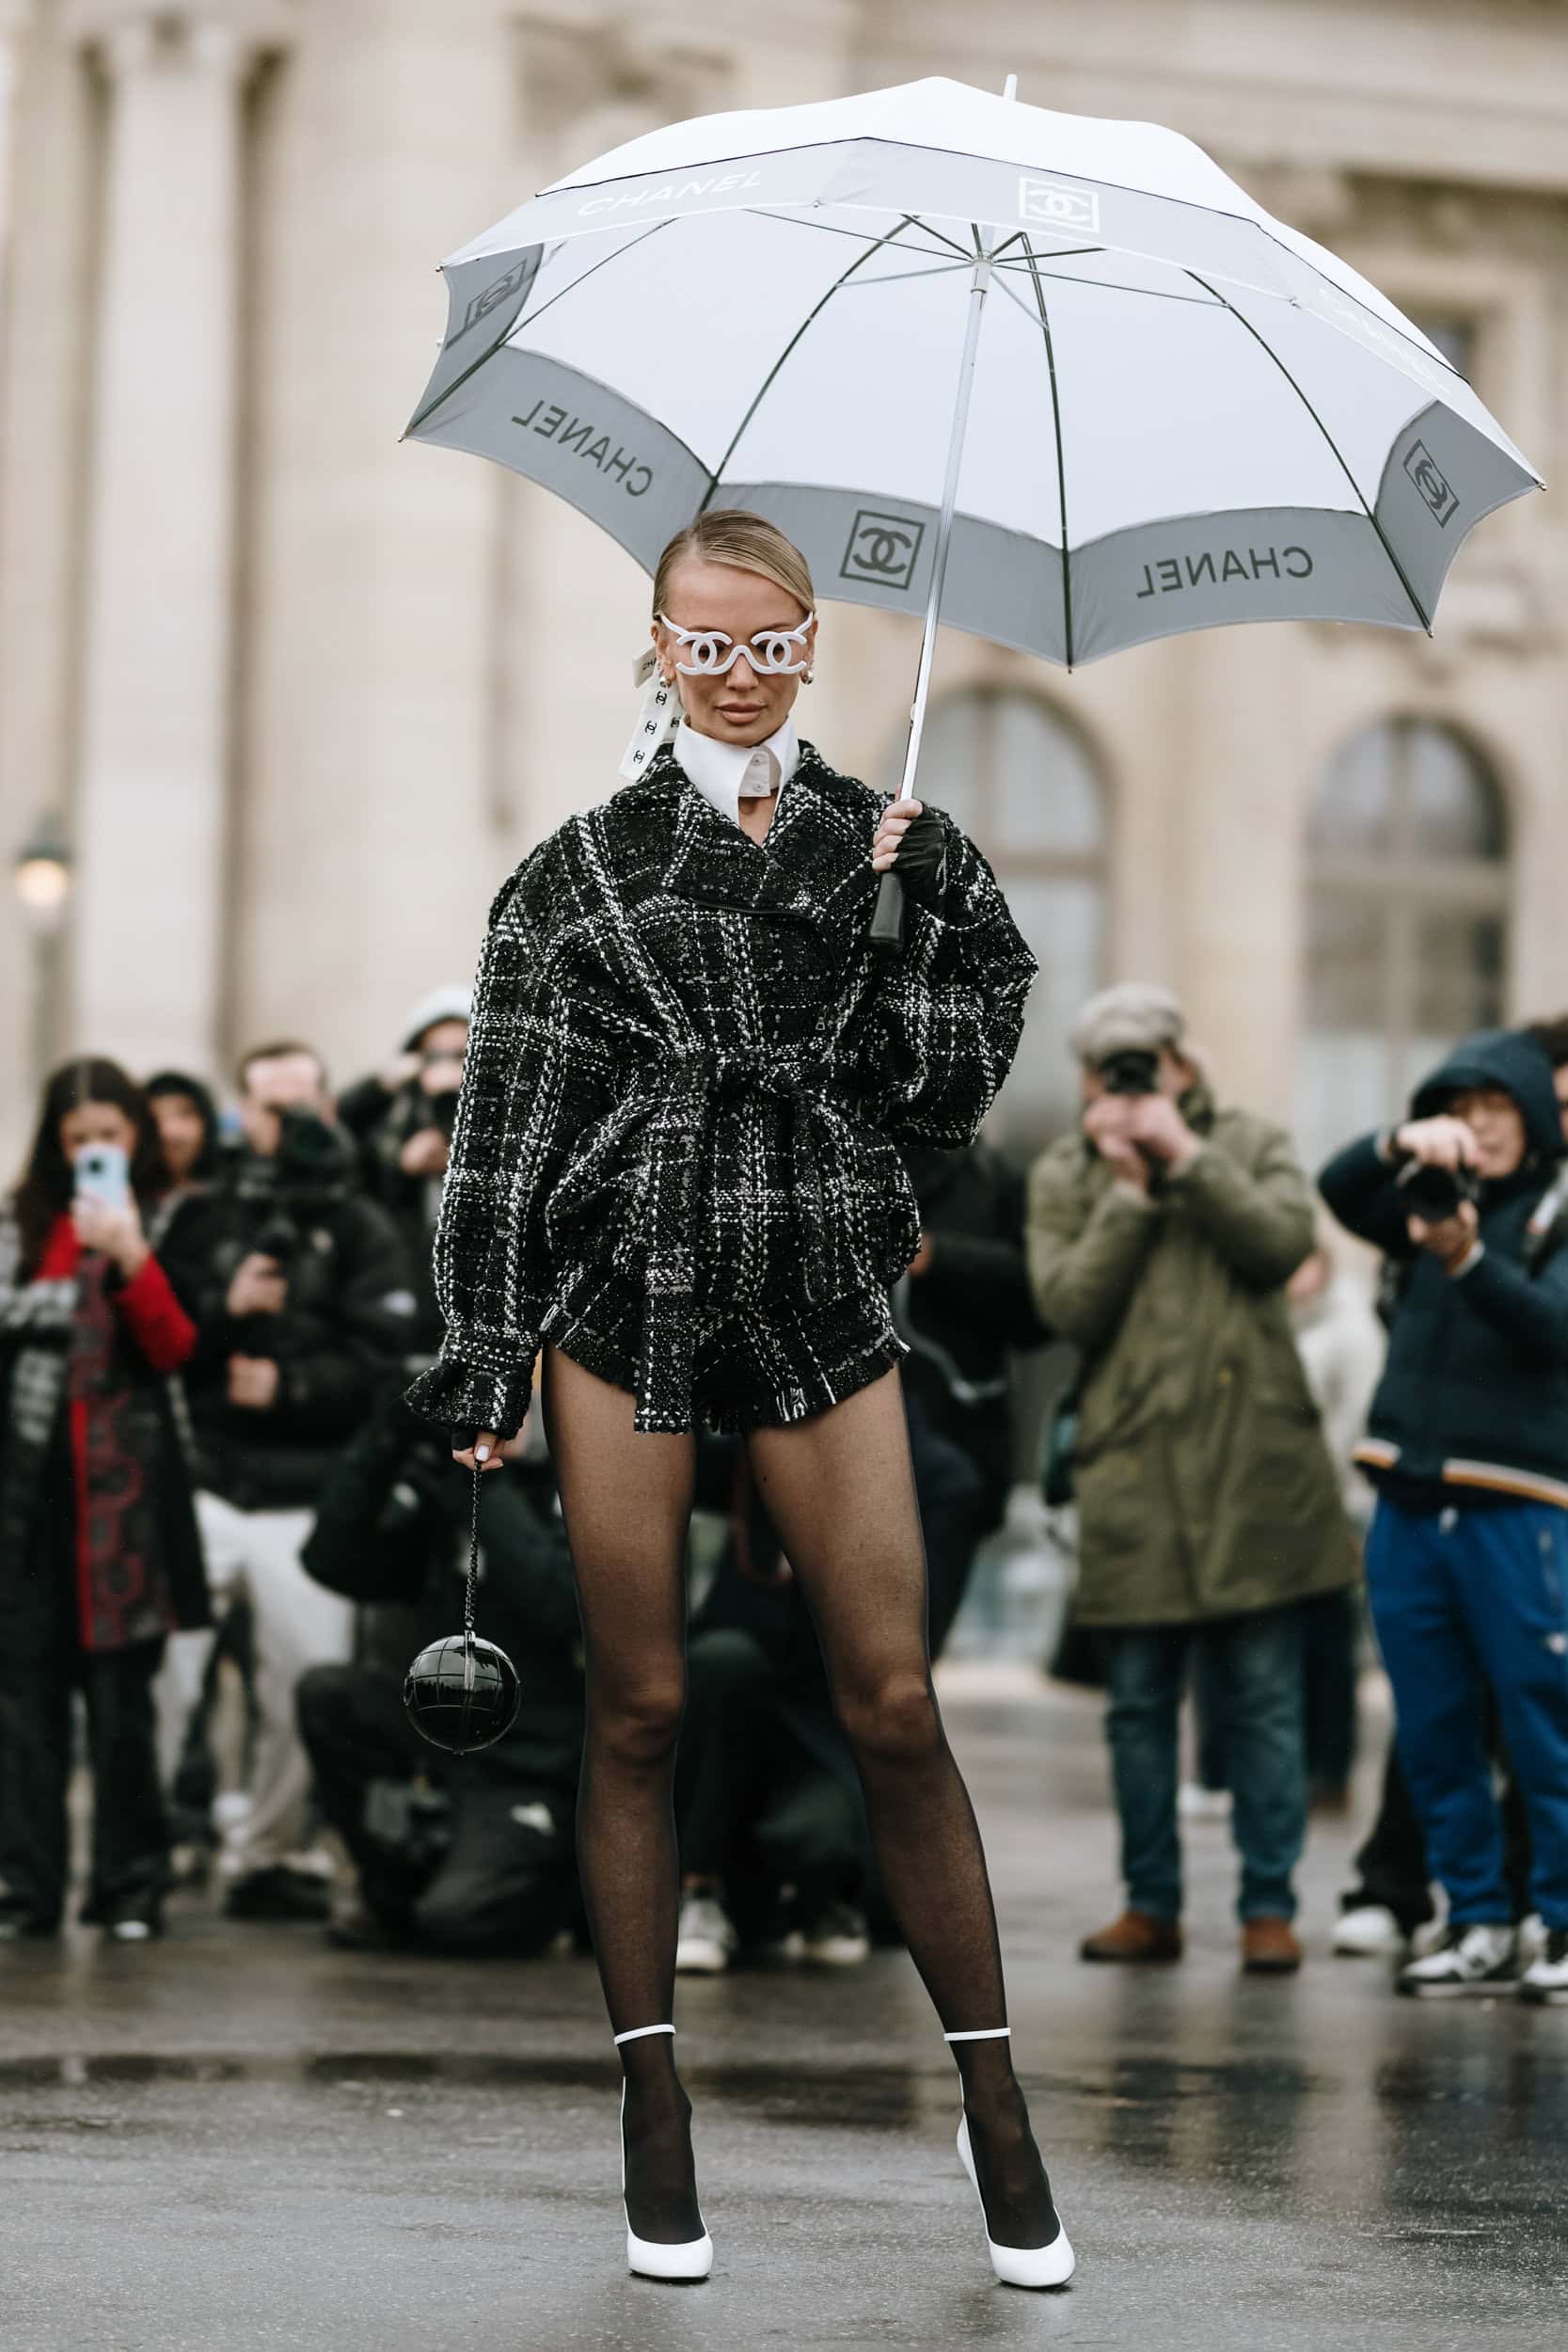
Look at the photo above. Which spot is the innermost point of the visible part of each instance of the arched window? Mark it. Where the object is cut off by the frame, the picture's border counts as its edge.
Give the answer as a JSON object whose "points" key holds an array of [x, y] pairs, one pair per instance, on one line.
{"points": [[1020, 782], [1407, 917]]}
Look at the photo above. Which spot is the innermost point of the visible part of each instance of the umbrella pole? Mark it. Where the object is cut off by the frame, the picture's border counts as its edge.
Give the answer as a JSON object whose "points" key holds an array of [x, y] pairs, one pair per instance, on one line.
{"points": [[887, 921]]}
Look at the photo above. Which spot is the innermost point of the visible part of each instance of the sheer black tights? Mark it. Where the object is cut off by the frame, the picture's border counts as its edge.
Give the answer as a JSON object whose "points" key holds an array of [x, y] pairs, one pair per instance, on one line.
{"points": [[626, 1498], [840, 1492]]}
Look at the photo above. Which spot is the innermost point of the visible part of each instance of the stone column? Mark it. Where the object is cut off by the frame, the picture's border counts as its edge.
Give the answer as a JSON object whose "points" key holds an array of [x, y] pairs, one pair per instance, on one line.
{"points": [[152, 789], [15, 16]]}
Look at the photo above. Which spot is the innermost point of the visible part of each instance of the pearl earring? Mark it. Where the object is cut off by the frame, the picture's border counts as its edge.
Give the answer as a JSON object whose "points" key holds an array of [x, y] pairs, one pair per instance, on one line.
{"points": [[807, 680]]}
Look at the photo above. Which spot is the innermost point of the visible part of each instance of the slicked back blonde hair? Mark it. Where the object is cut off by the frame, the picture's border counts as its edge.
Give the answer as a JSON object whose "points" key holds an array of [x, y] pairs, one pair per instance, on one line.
{"points": [[731, 535]]}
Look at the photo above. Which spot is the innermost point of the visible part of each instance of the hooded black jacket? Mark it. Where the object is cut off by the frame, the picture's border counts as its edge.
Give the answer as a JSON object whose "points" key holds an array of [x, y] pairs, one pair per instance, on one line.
{"points": [[1474, 1397]]}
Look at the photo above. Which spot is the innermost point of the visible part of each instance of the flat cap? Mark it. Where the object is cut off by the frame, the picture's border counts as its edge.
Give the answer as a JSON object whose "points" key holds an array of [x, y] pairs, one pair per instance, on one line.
{"points": [[1135, 1017]]}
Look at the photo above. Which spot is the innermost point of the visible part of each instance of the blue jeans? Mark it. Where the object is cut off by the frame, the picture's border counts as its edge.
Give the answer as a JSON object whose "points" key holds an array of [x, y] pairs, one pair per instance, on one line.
{"points": [[1254, 1669], [1462, 1600]]}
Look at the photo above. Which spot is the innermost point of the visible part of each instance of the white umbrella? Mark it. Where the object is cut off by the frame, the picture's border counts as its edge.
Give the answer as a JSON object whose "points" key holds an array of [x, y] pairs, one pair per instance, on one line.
{"points": [[1060, 377]]}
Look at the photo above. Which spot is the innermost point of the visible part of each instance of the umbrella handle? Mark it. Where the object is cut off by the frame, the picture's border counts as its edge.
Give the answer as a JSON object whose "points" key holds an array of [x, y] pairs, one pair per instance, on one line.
{"points": [[887, 920]]}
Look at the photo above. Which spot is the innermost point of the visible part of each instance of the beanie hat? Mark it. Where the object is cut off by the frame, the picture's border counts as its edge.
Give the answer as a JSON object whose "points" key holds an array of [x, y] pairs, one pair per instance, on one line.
{"points": [[442, 1004]]}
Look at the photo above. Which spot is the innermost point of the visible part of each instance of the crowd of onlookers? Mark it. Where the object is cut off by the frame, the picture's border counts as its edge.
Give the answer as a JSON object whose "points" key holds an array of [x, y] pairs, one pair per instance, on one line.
{"points": [[221, 1525]]}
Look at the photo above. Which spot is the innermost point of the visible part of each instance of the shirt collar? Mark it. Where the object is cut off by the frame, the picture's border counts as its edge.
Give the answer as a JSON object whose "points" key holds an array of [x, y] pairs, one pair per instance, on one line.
{"points": [[719, 769]]}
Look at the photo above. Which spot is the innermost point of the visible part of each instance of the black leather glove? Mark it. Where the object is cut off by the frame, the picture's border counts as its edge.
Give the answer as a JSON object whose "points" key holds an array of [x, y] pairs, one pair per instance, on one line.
{"points": [[921, 860]]}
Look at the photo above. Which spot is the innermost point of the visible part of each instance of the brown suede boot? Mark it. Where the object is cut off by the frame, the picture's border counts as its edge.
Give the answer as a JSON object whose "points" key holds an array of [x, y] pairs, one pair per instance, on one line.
{"points": [[1137, 1935], [1269, 1947]]}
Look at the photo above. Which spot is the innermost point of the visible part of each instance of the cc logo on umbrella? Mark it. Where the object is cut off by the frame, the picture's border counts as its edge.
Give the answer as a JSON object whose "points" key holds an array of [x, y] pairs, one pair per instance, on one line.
{"points": [[1430, 481], [883, 549], [516, 281], [1075, 210]]}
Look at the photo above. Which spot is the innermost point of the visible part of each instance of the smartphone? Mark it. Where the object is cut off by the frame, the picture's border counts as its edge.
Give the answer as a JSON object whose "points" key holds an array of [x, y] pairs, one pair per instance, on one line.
{"points": [[103, 1173]]}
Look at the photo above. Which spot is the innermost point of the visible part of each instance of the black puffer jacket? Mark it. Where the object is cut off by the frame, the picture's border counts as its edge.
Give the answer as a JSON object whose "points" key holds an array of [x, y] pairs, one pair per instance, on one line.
{"points": [[1474, 1398], [971, 1306], [345, 1327]]}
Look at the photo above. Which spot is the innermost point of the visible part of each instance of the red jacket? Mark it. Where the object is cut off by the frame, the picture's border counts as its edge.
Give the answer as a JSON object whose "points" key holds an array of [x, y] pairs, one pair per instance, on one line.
{"points": [[153, 1316], [122, 1589]]}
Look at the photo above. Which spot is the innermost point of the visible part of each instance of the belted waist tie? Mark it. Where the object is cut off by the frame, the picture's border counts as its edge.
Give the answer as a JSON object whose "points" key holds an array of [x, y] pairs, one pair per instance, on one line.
{"points": [[806, 1152], [816, 1156]]}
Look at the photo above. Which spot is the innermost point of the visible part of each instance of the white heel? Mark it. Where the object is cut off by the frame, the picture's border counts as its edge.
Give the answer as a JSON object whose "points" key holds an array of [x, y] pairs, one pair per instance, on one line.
{"points": [[692, 2259], [1050, 2265]]}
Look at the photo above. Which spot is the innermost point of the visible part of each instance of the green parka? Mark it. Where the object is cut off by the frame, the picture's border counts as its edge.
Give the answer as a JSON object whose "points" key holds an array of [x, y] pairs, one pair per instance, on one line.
{"points": [[1204, 1485]]}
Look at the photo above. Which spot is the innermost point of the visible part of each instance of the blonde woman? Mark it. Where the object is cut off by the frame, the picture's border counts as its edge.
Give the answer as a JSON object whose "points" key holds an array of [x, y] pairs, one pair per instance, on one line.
{"points": [[675, 1170]]}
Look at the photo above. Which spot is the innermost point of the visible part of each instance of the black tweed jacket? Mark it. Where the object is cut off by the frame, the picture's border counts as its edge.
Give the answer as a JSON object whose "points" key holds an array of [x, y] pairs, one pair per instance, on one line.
{"points": [[688, 1069]]}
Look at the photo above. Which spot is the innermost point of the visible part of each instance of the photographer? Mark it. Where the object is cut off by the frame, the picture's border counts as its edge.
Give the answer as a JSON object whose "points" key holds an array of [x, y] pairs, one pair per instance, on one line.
{"points": [[1161, 1239], [1468, 1445], [306, 1310], [469, 1853], [402, 1118]]}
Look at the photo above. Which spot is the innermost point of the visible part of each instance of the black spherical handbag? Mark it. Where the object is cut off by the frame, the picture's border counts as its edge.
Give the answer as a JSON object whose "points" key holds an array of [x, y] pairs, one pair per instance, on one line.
{"points": [[461, 1692]]}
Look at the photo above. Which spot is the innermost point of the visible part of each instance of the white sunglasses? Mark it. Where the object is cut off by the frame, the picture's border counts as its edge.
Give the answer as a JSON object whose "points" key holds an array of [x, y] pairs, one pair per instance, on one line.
{"points": [[769, 652]]}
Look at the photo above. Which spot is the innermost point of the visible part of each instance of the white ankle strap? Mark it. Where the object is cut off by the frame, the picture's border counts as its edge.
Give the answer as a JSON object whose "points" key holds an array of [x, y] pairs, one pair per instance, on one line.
{"points": [[987, 2033], [639, 2033]]}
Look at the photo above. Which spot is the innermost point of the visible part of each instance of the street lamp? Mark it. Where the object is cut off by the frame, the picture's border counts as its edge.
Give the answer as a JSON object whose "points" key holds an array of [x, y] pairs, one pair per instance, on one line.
{"points": [[42, 875]]}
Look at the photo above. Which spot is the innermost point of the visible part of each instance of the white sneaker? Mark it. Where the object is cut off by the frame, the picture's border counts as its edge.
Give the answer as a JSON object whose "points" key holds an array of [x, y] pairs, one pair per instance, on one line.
{"points": [[1475, 1959], [1545, 1980], [1369, 1931], [1194, 1802], [705, 1941], [1532, 1938], [838, 1937]]}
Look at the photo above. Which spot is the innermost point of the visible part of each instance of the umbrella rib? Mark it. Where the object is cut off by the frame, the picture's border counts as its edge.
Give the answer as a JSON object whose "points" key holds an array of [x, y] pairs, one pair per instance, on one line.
{"points": [[1109, 285], [1263, 347], [1013, 296], [941, 235], [458, 381], [772, 377], [1061, 460], [901, 277], [592, 272], [831, 229]]}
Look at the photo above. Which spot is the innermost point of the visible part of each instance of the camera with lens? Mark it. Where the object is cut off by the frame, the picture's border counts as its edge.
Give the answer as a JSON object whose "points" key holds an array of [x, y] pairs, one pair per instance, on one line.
{"points": [[1133, 1069], [439, 1099], [442, 1110], [1435, 1193], [313, 1170]]}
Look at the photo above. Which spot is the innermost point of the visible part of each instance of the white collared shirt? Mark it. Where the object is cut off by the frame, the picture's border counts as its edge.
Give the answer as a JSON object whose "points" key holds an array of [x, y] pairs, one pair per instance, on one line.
{"points": [[719, 769]]}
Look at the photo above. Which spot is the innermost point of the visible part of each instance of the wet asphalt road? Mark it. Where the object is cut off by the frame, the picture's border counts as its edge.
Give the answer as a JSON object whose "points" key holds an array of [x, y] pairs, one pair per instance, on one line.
{"points": [[241, 2139]]}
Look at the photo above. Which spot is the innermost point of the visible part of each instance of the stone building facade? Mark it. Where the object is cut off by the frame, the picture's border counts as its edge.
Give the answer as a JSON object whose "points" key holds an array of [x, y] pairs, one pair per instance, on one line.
{"points": [[300, 695]]}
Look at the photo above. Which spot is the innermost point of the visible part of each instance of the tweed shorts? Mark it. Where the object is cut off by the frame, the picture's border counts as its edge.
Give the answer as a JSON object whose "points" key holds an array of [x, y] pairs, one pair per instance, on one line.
{"points": [[752, 1369]]}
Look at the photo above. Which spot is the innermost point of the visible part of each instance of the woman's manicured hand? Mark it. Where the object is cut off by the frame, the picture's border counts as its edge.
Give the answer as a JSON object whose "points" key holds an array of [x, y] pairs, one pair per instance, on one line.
{"points": [[498, 1452], [897, 819]]}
